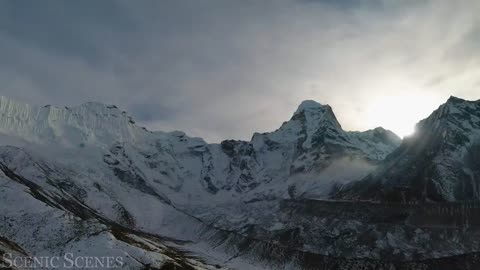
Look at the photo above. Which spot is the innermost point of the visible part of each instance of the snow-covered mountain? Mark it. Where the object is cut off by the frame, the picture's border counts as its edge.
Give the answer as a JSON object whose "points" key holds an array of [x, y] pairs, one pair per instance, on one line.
{"points": [[309, 142], [88, 180], [438, 163], [90, 123]]}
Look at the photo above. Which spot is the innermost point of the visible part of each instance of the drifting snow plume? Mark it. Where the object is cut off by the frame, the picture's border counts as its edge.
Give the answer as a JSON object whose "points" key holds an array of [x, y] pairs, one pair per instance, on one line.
{"points": [[319, 185]]}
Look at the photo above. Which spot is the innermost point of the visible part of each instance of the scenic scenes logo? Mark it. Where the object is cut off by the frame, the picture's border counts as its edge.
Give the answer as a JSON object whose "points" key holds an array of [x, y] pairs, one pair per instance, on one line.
{"points": [[68, 261]]}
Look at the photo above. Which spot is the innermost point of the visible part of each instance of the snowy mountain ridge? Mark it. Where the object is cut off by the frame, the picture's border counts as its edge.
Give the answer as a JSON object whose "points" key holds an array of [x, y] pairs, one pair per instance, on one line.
{"points": [[88, 123], [88, 179], [310, 141]]}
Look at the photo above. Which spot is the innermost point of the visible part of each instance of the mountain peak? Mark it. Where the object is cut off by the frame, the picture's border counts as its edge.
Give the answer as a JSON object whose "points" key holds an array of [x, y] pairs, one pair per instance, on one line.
{"points": [[380, 131], [456, 110], [453, 99], [455, 107], [309, 104]]}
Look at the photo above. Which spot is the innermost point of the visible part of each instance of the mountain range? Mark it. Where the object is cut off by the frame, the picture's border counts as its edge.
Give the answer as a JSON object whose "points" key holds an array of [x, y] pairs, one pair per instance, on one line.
{"points": [[88, 180]]}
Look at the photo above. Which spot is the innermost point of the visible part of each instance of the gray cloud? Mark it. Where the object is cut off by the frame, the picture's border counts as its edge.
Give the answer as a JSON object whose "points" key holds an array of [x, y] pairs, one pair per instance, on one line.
{"points": [[224, 69]]}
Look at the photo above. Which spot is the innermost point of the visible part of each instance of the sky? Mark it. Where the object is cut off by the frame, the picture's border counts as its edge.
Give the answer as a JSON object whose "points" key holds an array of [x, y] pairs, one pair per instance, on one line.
{"points": [[225, 69]]}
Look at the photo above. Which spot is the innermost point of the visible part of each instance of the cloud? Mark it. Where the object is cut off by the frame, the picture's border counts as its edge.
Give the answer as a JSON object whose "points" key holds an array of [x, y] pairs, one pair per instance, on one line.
{"points": [[225, 69]]}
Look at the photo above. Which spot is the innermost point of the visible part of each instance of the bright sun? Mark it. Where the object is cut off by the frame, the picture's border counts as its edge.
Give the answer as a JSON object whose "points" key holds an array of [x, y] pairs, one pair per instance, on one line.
{"points": [[400, 113]]}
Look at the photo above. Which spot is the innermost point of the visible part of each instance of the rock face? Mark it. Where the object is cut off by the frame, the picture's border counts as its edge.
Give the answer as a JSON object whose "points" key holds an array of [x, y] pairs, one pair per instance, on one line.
{"points": [[87, 180], [438, 163]]}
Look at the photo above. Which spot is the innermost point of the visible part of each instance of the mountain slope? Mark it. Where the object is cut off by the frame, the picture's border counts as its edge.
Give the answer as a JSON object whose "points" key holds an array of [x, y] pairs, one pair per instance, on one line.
{"points": [[438, 163]]}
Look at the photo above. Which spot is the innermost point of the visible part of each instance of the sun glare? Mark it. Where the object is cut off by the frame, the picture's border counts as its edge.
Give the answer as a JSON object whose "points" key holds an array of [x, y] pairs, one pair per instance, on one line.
{"points": [[400, 113]]}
